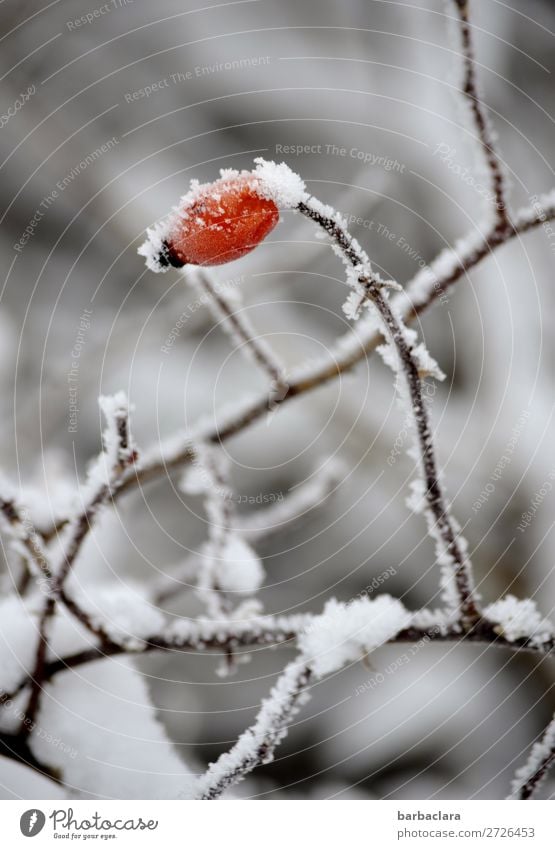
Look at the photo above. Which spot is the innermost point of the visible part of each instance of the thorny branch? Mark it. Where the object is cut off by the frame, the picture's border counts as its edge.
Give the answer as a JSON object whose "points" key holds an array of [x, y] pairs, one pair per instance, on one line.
{"points": [[443, 528], [268, 632], [415, 300]]}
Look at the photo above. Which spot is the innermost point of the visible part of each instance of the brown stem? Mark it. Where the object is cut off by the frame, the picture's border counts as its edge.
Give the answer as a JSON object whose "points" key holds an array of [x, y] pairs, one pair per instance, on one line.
{"points": [[433, 490], [471, 92], [528, 789], [240, 329], [542, 758], [274, 635], [444, 526]]}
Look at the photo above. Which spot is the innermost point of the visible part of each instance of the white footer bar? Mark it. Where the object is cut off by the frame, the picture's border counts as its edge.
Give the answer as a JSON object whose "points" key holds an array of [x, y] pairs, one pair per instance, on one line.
{"points": [[273, 825]]}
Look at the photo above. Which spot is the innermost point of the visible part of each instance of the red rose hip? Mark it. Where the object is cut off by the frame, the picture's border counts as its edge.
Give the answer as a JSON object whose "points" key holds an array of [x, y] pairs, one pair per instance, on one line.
{"points": [[218, 223]]}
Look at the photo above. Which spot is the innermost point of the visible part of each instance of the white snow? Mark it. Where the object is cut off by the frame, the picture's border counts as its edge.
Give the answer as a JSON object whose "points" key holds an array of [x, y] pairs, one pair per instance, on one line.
{"points": [[344, 633], [279, 183], [430, 279], [238, 568], [104, 736], [352, 305], [115, 408], [23, 782], [265, 629], [519, 619], [18, 642], [108, 466], [122, 611], [152, 247], [427, 366]]}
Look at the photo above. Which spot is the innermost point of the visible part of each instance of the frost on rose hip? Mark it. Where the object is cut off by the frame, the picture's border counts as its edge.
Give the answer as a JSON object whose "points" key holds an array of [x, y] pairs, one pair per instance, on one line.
{"points": [[222, 221], [225, 221]]}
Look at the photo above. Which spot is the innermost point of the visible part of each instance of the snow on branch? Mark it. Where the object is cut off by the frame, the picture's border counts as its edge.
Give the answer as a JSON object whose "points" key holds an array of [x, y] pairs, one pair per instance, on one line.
{"points": [[118, 454], [345, 633], [205, 230], [529, 777], [342, 634], [229, 564], [221, 636], [256, 746], [410, 362], [519, 619]]}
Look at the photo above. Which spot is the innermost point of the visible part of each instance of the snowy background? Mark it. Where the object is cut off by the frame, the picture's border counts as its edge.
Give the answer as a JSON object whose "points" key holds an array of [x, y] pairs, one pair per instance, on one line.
{"points": [[225, 84]]}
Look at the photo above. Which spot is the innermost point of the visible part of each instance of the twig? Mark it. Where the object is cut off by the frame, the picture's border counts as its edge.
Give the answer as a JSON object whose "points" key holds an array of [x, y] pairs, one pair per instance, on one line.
{"points": [[529, 777], [117, 455], [470, 90], [220, 511], [270, 632], [239, 328], [442, 527], [175, 580], [257, 744]]}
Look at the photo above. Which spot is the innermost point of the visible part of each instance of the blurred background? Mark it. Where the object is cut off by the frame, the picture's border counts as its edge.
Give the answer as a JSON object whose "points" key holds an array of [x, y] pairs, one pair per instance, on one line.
{"points": [[121, 109]]}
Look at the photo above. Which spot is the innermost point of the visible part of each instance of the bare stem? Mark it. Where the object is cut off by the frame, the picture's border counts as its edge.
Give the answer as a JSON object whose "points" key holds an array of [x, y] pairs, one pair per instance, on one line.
{"points": [[240, 328]]}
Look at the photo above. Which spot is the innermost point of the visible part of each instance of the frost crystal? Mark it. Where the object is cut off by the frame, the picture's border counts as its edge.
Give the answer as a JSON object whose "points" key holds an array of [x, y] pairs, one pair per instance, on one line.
{"points": [[519, 619], [345, 632], [352, 306], [279, 183], [123, 612], [275, 182]]}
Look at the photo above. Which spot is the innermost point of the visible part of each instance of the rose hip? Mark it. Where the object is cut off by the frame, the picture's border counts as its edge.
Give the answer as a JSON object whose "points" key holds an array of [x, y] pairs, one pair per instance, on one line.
{"points": [[226, 220]]}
